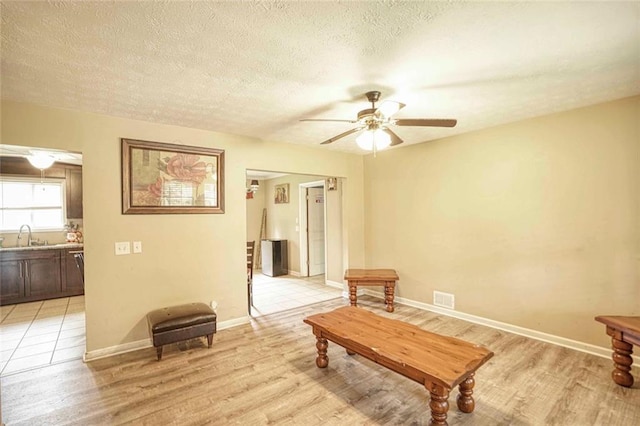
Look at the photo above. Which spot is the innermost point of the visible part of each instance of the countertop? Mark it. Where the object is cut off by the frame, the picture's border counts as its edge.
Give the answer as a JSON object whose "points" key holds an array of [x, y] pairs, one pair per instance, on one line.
{"points": [[47, 247]]}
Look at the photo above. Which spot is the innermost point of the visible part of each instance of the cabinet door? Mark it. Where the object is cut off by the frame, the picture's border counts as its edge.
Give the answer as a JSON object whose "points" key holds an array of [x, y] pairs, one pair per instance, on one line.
{"points": [[73, 179], [11, 281], [73, 283], [43, 273]]}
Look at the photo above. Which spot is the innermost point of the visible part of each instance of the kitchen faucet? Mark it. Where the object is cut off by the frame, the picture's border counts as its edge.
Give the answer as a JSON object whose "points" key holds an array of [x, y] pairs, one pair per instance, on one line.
{"points": [[20, 236]]}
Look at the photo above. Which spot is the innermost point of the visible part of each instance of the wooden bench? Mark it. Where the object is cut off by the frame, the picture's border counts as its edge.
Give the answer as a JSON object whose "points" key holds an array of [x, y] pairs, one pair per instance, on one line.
{"points": [[371, 277], [624, 332], [182, 322], [437, 362]]}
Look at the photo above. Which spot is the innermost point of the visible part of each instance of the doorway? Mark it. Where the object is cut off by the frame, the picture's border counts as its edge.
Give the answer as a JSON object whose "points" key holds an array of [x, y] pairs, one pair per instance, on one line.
{"points": [[321, 243], [312, 229]]}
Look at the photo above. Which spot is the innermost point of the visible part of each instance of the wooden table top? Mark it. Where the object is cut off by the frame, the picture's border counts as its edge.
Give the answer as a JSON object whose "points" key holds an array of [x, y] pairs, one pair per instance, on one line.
{"points": [[426, 356], [626, 324], [371, 275]]}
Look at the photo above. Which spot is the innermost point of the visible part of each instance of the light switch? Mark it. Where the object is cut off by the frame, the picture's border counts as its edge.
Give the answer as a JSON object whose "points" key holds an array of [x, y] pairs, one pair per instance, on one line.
{"points": [[123, 247], [137, 246]]}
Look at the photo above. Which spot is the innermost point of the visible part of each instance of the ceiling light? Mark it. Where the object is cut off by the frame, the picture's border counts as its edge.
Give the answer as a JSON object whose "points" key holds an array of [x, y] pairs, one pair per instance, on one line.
{"points": [[254, 185], [388, 108], [370, 139], [41, 160]]}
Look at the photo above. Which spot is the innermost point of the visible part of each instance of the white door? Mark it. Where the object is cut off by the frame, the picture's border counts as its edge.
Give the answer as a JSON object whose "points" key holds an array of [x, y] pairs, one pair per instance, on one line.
{"points": [[315, 230]]}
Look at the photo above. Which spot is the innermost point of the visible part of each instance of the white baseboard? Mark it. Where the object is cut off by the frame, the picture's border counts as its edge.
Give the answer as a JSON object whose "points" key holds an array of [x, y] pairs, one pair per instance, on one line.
{"points": [[522, 331], [334, 284], [146, 343], [223, 325], [294, 273], [116, 350]]}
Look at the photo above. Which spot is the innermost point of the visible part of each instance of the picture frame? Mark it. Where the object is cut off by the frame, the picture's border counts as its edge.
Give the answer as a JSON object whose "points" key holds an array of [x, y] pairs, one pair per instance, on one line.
{"points": [[281, 193], [163, 178], [332, 184]]}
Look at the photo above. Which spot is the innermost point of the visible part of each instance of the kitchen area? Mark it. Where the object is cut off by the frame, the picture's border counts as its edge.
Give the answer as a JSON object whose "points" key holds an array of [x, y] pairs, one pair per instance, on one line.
{"points": [[41, 258]]}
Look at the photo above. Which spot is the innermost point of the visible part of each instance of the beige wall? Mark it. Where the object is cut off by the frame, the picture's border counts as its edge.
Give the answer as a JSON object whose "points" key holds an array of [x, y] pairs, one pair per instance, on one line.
{"points": [[185, 257], [535, 223], [335, 230]]}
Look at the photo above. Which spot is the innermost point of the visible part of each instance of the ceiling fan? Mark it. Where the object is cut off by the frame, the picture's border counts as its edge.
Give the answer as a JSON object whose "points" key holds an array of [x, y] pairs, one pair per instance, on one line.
{"points": [[376, 121]]}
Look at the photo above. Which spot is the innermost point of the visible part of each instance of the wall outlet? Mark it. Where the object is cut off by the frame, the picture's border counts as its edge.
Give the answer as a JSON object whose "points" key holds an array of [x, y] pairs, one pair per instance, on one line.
{"points": [[137, 246], [123, 247]]}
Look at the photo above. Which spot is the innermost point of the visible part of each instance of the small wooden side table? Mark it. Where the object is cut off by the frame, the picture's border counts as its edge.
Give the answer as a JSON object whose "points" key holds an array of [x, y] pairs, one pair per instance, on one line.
{"points": [[624, 332], [369, 277]]}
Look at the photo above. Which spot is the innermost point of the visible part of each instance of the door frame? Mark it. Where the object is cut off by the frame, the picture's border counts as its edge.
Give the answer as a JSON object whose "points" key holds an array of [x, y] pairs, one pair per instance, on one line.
{"points": [[303, 215]]}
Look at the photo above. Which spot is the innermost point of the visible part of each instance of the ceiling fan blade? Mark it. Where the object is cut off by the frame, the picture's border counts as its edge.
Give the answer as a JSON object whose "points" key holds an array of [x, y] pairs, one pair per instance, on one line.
{"points": [[328, 119], [341, 135], [429, 122], [395, 139], [388, 108]]}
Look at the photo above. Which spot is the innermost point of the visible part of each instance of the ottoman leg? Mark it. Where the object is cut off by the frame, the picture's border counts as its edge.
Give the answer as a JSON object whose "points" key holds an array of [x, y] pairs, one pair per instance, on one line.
{"points": [[210, 339], [159, 352]]}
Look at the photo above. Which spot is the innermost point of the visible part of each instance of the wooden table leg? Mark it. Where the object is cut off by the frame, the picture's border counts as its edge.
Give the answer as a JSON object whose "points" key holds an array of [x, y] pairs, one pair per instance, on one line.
{"points": [[322, 360], [388, 295], [439, 404], [353, 297], [622, 362], [465, 401]]}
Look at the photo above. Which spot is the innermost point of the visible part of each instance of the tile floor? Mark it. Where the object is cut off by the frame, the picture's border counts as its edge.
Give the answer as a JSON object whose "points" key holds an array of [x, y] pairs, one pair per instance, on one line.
{"points": [[276, 294], [36, 334]]}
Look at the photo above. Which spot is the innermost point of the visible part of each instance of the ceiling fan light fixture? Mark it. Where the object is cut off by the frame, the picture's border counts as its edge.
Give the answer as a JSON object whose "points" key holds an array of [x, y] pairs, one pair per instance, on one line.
{"points": [[388, 108], [41, 160], [377, 137]]}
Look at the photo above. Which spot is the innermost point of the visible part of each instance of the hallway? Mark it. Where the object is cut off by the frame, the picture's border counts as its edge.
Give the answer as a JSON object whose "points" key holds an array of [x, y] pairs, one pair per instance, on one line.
{"points": [[276, 294]]}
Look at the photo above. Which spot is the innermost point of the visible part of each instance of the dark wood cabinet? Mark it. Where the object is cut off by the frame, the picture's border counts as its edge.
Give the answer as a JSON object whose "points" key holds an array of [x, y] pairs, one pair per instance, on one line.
{"points": [[30, 275], [42, 274], [11, 280], [73, 178]]}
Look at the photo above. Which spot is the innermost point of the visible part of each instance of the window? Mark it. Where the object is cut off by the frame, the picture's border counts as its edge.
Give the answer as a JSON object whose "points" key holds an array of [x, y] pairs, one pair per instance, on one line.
{"points": [[35, 202]]}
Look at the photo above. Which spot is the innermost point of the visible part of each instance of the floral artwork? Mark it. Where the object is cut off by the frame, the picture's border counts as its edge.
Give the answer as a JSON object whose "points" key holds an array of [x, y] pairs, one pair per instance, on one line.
{"points": [[167, 178]]}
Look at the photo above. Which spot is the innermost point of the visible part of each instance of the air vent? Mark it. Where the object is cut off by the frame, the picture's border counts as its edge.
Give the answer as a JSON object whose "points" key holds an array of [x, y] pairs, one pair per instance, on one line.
{"points": [[446, 300]]}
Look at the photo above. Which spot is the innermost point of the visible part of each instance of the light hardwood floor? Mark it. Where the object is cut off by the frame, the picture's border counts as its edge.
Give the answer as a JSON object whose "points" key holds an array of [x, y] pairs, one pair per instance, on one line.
{"points": [[265, 373]]}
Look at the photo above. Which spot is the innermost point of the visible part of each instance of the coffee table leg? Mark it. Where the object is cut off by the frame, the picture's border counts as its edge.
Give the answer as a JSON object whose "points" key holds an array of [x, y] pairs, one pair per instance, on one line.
{"points": [[323, 360], [353, 297], [439, 404], [622, 362], [388, 297], [465, 400]]}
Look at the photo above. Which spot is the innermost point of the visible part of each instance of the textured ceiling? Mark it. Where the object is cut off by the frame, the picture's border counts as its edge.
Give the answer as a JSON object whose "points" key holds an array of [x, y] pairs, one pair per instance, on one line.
{"points": [[256, 68]]}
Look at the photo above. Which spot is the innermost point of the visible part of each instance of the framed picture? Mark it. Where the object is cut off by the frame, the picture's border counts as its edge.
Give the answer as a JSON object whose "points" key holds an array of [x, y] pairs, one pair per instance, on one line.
{"points": [[332, 184], [161, 178], [281, 193]]}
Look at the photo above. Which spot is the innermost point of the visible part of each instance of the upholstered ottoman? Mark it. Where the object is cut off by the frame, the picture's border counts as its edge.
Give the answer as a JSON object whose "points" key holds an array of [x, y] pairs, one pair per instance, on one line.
{"points": [[178, 323]]}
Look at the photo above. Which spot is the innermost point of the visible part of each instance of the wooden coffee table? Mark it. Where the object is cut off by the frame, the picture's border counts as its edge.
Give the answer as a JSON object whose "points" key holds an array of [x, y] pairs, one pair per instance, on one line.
{"points": [[624, 332], [437, 362], [368, 277]]}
